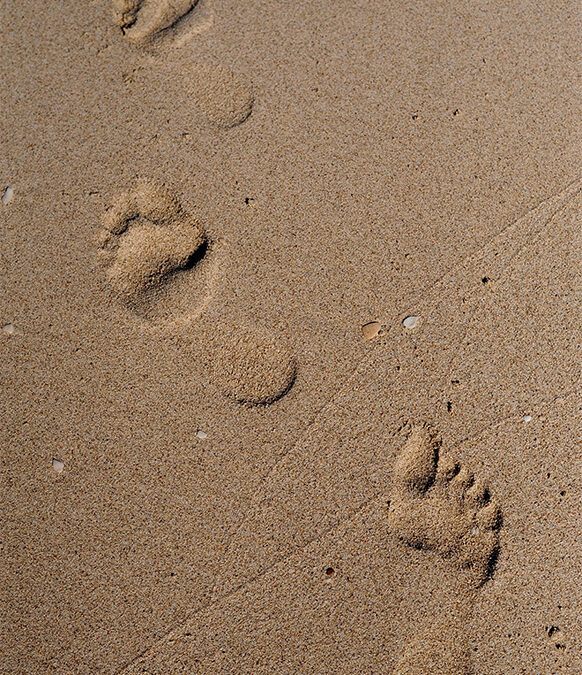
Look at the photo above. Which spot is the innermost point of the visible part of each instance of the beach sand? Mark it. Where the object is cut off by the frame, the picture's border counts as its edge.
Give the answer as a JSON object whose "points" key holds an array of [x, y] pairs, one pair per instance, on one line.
{"points": [[290, 331]]}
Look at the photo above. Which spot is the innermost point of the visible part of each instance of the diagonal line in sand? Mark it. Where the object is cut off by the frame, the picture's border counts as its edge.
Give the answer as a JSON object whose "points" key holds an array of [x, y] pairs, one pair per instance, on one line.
{"points": [[493, 259]]}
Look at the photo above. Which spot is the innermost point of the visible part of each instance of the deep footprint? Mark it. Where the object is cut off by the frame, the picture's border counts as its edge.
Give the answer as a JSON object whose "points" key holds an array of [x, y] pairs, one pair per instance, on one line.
{"points": [[147, 238], [156, 264], [143, 20], [437, 505]]}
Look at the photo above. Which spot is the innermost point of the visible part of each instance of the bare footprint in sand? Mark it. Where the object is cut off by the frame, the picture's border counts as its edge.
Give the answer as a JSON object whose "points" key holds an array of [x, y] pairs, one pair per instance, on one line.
{"points": [[148, 238], [203, 93], [143, 20], [216, 94], [223, 98], [437, 506], [160, 263]]}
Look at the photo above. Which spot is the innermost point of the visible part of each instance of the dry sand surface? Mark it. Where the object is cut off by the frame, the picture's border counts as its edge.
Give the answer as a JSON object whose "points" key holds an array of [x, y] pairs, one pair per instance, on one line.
{"points": [[290, 331]]}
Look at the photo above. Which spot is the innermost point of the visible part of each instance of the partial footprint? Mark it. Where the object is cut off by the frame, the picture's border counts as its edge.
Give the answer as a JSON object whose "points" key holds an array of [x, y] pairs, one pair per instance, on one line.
{"points": [[147, 240], [202, 93], [223, 97], [160, 263], [219, 95], [252, 366], [437, 505], [439, 653], [143, 20]]}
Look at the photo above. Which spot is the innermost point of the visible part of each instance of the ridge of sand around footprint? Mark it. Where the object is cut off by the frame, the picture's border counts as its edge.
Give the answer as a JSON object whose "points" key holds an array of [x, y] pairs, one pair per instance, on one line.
{"points": [[340, 464]]}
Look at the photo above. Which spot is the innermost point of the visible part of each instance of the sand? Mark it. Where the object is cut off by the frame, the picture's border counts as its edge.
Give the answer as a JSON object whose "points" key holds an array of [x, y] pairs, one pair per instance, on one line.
{"points": [[290, 330]]}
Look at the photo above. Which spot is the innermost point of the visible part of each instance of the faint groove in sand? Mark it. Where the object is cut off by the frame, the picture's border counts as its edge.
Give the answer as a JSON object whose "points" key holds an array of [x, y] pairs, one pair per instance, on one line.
{"points": [[535, 408], [522, 230]]}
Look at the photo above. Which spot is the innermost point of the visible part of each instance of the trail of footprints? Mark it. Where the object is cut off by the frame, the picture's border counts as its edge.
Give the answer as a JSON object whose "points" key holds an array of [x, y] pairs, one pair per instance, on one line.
{"points": [[149, 241], [147, 244]]}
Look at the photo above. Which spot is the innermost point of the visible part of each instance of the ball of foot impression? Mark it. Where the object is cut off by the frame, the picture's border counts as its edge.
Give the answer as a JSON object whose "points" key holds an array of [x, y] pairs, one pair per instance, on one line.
{"points": [[253, 367]]}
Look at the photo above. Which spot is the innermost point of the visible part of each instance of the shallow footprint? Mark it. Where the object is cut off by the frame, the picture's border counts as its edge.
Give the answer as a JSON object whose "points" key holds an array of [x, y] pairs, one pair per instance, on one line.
{"points": [[203, 93], [435, 505], [223, 97], [143, 20], [251, 365]]}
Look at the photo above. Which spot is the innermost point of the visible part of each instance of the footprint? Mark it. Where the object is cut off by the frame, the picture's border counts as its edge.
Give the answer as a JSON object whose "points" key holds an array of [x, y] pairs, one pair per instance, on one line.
{"points": [[252, 366], [147, 239], [435, 505], [143, 20], [160, 264], [223, 98], [202, 92]]}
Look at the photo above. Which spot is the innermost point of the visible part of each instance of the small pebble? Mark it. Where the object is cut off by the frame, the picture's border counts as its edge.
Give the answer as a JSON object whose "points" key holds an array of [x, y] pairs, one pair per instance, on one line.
{"points": [[7, 196], [371, 330], [58, 466], [410, 322]]}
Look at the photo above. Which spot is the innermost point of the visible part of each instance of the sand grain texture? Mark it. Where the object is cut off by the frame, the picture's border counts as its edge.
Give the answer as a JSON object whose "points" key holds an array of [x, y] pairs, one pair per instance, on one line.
{"points": [[290, 332]]}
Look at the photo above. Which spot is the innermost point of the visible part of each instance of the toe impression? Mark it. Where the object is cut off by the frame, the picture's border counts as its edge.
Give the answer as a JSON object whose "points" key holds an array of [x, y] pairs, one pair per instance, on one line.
{"points": [[415, 467]]}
